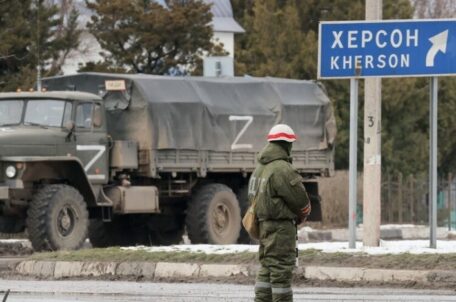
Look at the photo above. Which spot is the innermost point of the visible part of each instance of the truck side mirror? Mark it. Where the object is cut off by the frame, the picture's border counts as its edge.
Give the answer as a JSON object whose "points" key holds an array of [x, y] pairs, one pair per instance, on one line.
{"points": [[97, 116]]}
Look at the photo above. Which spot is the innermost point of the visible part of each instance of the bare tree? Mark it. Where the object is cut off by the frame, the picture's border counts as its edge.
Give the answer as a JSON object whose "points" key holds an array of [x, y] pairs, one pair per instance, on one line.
{"points": [[67, 30], [434, 9]]}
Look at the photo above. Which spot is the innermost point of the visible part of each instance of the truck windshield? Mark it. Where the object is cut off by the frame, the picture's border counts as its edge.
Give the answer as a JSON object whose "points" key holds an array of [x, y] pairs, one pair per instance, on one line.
{"points": [[44, 113], [47, 113], [11, 112]]}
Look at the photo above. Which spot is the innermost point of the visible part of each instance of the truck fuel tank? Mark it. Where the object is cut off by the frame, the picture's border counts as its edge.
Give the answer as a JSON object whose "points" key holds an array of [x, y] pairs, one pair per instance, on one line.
{"points": [[134, 199]]}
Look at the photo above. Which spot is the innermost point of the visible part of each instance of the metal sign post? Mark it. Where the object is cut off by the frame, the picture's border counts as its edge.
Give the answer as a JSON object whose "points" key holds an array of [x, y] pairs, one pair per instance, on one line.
{"points": [[433, 162], [353, 173]]}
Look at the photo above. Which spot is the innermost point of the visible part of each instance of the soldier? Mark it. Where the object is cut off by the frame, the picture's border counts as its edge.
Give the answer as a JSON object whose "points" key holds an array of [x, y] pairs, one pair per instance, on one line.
{"points": [[281, 203]]}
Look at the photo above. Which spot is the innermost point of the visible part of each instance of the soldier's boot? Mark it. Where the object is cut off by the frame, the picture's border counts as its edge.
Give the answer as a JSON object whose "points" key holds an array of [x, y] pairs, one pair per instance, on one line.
{"points": [[263, 292], [282, 294]]}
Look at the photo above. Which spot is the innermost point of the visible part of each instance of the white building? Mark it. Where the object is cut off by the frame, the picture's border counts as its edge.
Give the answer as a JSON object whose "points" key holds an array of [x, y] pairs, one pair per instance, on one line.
{"points": [[224, 25]]}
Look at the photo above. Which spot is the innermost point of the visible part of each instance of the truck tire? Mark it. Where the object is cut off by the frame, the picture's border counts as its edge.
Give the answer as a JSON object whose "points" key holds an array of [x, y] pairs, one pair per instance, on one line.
{"points": [[112, 233], [213, 215], [57, 218], [244, 237]]}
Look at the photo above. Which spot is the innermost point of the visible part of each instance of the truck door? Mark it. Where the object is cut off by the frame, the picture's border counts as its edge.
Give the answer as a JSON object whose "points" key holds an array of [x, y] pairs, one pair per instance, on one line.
{"points": [[92, 141]]}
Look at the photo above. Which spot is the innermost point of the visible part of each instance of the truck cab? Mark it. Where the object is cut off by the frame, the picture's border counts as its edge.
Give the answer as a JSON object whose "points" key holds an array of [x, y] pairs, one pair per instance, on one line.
{"points": [[53, 161]]}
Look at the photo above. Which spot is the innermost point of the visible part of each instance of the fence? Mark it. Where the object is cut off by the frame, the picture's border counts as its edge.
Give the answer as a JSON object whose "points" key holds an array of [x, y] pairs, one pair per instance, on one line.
{"points": [[404, 199]]}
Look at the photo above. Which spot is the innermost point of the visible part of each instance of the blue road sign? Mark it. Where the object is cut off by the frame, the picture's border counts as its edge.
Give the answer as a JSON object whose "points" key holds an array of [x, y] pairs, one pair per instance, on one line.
{"points": [[387, 48]]}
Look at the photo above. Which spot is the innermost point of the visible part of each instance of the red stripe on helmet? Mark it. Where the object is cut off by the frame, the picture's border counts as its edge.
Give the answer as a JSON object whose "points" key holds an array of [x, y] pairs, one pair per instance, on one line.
{"points": [[281, 135]]}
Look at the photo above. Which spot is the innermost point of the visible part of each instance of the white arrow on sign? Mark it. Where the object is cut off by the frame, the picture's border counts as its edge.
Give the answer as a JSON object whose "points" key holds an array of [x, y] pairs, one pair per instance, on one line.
{"points": [[439, 43]]}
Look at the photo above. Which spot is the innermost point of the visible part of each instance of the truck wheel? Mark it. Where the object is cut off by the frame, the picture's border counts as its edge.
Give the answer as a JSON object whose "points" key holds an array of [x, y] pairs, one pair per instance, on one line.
{"points": [[112, 233], [244, 237], [57, 218], [213, 215]]}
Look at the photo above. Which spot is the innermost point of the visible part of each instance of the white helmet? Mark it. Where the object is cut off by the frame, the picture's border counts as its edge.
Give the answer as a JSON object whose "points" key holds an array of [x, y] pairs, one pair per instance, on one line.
{"points": [[281, 132]]}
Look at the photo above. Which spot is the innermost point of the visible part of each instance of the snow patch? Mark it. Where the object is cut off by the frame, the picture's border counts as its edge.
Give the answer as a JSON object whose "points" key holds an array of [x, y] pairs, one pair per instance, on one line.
{"points": [[198, 248], [400, 226], [386, 247]]}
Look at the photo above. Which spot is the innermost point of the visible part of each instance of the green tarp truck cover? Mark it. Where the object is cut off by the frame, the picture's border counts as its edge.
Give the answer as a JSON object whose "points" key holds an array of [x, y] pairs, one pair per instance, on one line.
{"points": [[218, 114]]}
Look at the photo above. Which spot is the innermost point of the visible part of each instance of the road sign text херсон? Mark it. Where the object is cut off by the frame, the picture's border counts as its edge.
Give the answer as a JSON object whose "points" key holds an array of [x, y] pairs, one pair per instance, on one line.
{"points": [[401, 48]]}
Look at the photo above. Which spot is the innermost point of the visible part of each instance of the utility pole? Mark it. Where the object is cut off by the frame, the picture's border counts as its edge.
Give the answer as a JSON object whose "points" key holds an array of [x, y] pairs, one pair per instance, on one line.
{"points": [[38, 55], [372, 146]]}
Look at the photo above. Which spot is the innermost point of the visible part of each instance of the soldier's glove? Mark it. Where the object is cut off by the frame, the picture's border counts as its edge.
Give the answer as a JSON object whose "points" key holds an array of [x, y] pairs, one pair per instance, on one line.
{"points": [[304, 213], [306, 210]]}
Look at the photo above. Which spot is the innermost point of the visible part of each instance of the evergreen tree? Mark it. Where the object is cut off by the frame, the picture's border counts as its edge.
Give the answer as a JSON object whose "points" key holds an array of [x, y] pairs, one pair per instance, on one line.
{"points": [[274, 44], [446, 125], [142, 36], [33, 34]]}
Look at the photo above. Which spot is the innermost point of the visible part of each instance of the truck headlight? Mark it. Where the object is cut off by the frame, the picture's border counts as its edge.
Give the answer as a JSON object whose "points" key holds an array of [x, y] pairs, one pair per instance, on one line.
{"points": [[10, 171]]}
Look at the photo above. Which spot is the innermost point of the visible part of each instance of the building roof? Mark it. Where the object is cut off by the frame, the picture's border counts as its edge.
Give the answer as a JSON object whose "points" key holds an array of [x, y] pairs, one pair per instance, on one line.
{"points": [[222, 10], [223, 16], [223, 20]]}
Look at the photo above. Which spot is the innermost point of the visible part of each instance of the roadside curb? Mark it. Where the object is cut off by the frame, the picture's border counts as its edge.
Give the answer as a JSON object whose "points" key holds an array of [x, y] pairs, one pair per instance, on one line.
{"points": [[65, 269], [166, 270]]}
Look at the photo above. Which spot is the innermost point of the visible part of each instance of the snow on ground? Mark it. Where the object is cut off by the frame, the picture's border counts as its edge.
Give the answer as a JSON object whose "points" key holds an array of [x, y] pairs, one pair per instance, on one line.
{"points": [[382, 227], [25, 241], [386, 247], [397, 226], [199, 248]]}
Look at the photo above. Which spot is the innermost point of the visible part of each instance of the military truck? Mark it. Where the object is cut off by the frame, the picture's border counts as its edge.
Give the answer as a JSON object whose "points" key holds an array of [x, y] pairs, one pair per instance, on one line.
{"points": [[136, 159]]}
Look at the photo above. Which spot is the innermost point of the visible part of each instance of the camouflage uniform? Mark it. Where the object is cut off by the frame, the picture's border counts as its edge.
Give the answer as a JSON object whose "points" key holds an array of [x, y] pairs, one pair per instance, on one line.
{"points": [[280, 198]]}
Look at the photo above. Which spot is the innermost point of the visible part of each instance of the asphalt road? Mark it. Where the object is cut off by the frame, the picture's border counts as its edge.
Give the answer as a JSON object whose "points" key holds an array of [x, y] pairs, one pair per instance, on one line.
{"points": [[70, 291]]}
